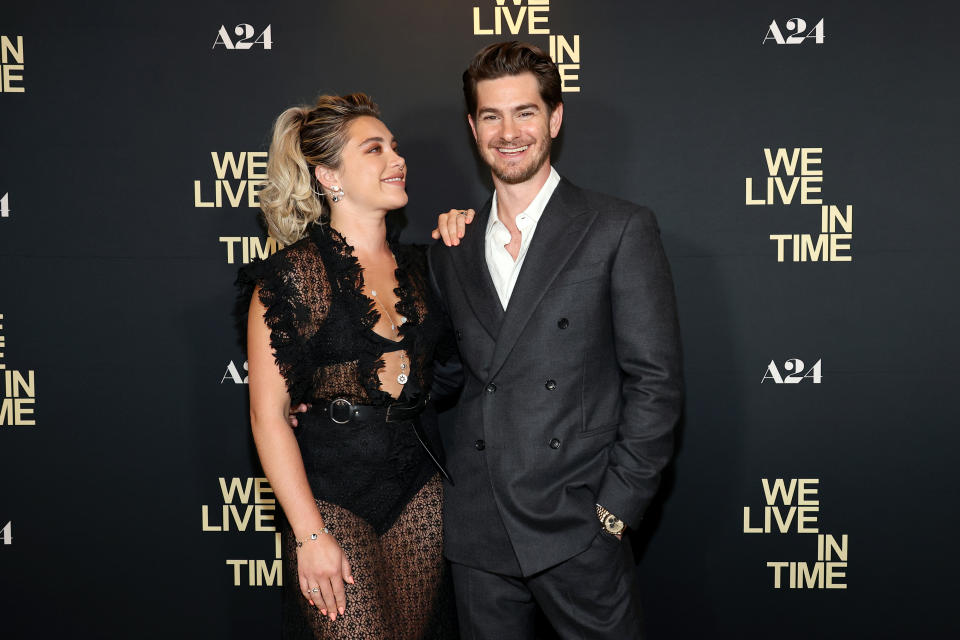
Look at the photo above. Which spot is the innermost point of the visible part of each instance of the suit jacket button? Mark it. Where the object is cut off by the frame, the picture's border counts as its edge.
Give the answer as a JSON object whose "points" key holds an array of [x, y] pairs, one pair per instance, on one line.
{"points": [[551, 385], [481, 445], [554, 444], [459, 334], [491, 388], [563, 323]]}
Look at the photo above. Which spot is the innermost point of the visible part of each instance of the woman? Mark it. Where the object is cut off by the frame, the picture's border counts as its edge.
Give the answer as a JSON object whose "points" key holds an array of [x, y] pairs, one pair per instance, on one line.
{"points": [[344, 320]]}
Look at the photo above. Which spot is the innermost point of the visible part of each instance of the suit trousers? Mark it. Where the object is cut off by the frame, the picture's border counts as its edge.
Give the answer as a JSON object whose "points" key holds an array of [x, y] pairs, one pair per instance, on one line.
{"points": [[591, 596]]}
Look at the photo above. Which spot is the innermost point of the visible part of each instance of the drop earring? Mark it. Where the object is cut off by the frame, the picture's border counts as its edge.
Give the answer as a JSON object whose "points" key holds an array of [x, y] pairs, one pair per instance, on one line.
{"points": [[337, 194]]}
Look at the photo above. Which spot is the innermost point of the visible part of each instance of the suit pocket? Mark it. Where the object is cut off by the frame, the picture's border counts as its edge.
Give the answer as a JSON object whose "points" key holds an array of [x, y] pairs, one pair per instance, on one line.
{"points": [[607, 428], [580, 273]]}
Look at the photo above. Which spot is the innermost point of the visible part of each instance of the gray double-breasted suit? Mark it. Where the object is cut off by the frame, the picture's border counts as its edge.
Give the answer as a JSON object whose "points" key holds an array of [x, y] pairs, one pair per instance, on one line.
{"points": [[571, 395]]}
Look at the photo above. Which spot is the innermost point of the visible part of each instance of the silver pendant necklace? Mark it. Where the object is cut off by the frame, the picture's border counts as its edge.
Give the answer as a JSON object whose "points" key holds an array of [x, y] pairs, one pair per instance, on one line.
{"points": [[402, 377]]}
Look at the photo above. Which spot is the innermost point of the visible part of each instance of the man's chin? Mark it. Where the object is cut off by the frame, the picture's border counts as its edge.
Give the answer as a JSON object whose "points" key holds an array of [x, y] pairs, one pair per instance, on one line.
{"points": [[516, 175]]}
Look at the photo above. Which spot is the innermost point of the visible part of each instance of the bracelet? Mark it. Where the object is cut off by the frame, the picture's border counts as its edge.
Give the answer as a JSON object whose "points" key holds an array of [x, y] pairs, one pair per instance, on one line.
{"points": [[314, 536]]}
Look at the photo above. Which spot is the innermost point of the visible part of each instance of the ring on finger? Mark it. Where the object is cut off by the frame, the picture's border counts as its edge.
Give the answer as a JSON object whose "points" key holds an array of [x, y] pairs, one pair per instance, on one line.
{"points": [[461, 212], [315, 590]]}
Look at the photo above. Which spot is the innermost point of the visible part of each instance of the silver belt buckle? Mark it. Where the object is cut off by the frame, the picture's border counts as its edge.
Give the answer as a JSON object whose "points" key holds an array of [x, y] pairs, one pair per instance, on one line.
{"points": [[338, 401]]}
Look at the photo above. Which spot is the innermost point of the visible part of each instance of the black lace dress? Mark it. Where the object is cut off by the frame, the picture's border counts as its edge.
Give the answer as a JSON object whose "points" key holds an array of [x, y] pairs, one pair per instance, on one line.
{"points": [[375, 486]]}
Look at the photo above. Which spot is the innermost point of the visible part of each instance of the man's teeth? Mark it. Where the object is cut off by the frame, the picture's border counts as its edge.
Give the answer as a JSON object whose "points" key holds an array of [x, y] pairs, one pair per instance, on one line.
{"points": [[513, 150]]}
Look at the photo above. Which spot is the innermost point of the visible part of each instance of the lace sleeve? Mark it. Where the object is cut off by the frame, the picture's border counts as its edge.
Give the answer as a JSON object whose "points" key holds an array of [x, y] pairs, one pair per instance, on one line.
{"points": [[296, 294]]}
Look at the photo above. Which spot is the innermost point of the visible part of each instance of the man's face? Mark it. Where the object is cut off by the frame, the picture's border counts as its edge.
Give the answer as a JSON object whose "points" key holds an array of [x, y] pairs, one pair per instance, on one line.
{"points": [[513, 128]]}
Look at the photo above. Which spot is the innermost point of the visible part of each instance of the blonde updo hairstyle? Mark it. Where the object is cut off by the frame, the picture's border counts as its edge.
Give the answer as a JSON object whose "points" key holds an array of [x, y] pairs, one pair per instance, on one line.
{"points": [[303, 139]]}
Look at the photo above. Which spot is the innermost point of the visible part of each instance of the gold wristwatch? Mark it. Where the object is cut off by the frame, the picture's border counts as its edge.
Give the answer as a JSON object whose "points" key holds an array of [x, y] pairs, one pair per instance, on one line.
{"points": [[611, 523]]}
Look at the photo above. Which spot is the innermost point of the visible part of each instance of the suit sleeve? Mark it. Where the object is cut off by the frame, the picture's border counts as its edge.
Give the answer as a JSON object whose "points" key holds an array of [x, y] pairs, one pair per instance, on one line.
{"points": [[447, 368], [646, 338]]}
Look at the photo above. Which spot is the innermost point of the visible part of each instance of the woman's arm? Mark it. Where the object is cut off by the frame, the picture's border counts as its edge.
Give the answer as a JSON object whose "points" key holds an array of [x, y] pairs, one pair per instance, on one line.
{"points": [[321, 562]]}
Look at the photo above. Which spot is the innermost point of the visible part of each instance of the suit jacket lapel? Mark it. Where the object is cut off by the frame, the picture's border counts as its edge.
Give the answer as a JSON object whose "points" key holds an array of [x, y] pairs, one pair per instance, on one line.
{"points": [[471, 266], [560, 230]]}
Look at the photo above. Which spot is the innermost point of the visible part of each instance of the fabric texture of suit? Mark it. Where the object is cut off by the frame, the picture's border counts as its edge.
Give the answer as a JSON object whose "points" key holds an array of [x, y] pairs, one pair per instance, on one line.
{"points": [[571, 395]]}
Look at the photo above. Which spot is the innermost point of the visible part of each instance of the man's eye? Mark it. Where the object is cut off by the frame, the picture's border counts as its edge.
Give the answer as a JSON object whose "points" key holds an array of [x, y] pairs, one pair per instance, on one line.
{"points": [[489, 117]]}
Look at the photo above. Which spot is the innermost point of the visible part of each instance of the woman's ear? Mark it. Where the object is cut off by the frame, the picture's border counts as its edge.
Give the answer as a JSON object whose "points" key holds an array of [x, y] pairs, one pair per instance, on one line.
{"points": [[326, 176]]}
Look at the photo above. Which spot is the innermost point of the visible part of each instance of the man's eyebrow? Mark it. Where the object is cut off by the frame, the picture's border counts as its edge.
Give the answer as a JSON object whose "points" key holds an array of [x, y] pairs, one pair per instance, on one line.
{"points": [[520, 107]]}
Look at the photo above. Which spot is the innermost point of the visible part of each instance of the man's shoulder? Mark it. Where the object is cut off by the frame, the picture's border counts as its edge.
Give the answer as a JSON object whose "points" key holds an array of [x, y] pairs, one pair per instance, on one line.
{"points": [[439, 254], [440, 257], [438, 251], [614, 210]]}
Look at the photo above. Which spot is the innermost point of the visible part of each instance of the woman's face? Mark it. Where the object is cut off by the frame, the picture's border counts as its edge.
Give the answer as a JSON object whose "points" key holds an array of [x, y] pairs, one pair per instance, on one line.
{"points": [[372, 174]]}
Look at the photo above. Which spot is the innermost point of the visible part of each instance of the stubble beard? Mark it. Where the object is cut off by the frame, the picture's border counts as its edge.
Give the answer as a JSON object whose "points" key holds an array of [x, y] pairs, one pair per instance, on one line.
{"points": [[518, 174]]}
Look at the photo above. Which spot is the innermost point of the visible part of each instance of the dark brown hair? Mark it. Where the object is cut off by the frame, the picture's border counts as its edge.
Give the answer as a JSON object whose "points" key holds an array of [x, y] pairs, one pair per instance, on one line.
{"points": [[510, 59]]}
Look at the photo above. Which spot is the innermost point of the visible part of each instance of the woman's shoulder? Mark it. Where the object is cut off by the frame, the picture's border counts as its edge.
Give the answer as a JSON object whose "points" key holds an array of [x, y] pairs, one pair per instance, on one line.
{"points": [[295, 261], [292, 286]]}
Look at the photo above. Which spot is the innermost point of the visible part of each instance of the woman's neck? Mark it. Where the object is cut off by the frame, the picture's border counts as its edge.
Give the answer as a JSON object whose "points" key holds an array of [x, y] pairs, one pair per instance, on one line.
{"points": [[366, 233]]}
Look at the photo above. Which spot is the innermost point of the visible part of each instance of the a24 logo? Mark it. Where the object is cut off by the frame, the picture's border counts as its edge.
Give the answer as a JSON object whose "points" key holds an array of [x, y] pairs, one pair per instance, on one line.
{"points": [[793, 372], [245, 33], [794, 28]]}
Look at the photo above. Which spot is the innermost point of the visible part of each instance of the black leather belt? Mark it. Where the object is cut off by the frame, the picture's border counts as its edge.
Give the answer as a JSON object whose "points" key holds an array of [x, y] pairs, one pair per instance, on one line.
{"points": [[342, 411]]}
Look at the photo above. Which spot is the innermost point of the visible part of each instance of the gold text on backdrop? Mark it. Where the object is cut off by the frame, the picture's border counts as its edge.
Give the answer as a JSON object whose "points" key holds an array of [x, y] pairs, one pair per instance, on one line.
{"points": [[532, 18]]}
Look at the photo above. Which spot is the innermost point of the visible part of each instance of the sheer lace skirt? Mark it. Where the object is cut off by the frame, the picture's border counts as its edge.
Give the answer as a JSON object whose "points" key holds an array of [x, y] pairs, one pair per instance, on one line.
{"points": [[401, 587]]}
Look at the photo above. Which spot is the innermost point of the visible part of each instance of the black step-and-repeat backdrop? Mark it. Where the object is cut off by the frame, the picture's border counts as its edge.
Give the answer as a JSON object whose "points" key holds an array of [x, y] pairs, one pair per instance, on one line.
{"points": [[801, 158]]}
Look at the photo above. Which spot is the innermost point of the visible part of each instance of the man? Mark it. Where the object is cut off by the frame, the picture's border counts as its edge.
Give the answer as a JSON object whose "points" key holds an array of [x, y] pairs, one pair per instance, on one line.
{"points": [[563, 308]]}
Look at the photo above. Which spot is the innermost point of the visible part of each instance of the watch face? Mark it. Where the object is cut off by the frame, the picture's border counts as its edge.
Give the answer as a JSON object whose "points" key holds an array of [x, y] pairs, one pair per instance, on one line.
{"points": [[611, 524]]}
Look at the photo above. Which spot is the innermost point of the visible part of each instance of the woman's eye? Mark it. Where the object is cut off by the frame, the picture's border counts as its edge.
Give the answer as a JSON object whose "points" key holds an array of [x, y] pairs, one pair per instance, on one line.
{"points": [[374, 148]]}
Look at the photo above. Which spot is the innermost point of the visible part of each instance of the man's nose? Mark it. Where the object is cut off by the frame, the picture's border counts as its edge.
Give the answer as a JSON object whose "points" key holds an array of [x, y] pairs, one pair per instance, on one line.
{"points": [[508, 130]]}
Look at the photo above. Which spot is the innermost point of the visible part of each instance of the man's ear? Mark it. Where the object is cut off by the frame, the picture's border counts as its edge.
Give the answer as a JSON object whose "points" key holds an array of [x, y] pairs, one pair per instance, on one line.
{"points": [[556, 119], [326, 176], [473, 127]]}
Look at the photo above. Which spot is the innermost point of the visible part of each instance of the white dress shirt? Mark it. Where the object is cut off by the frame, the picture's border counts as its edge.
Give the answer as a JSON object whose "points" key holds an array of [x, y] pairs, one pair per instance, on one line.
{"points": [[503, 269]]}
